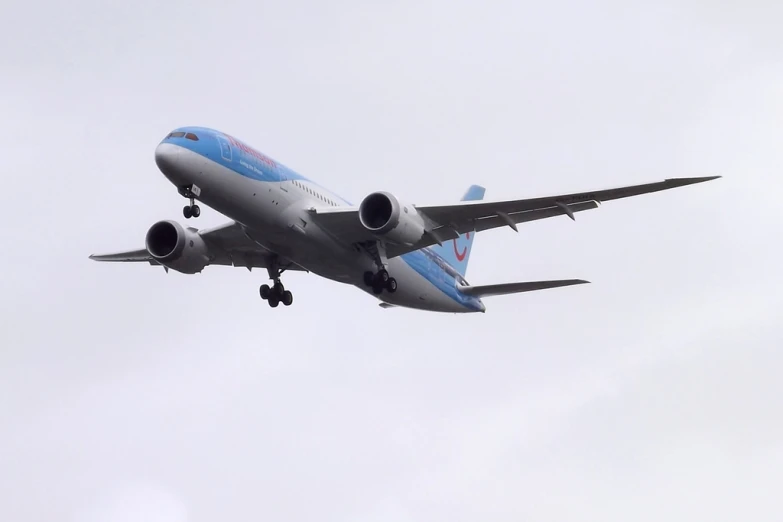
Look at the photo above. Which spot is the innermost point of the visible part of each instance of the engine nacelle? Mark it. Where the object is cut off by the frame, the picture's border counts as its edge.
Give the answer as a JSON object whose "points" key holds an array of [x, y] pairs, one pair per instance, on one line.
{"points": [[176, 247], [384, 215]]}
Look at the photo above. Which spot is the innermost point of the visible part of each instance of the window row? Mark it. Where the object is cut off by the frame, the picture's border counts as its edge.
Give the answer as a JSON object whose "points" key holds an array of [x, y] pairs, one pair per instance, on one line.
{"points": [[315, 193]]}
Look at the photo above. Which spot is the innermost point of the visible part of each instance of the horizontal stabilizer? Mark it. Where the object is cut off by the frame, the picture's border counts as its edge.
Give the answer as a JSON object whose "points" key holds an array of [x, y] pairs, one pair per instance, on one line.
{"points": [[514, 288], [126, 257]]}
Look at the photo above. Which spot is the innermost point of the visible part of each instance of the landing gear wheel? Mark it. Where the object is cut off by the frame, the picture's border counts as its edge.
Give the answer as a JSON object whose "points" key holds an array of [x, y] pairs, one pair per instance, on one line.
{"points": [[368, 278], [274, 301], [287, 298], [380, 281], [190, 211], [265, 291]]}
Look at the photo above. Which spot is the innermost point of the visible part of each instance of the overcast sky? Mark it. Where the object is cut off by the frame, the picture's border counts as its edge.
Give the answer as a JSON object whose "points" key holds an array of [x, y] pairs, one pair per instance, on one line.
{"points": [[652, 394]]}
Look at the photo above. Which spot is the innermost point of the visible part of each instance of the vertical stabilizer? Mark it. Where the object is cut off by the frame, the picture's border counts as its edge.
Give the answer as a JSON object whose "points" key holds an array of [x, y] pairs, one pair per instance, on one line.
{"points": [[456, 252]]}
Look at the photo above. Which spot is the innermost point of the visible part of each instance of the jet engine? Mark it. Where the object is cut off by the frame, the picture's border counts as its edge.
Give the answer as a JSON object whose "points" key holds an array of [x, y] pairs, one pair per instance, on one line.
{"points": [[384, 215], [178, 248]]}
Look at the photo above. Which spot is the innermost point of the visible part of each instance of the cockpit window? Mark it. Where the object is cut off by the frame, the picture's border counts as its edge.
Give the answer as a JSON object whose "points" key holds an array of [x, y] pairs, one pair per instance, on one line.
{"points": [[176, 135], [191, 136]]}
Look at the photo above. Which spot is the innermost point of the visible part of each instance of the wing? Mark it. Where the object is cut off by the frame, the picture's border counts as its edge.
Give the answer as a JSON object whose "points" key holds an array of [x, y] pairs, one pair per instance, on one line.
{"points": [[228, 245], [450, 221]]}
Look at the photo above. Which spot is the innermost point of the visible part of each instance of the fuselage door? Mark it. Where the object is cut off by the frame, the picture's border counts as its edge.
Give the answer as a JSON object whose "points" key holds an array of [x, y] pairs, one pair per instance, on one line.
{"points": [[225, 148], [282, 177]]}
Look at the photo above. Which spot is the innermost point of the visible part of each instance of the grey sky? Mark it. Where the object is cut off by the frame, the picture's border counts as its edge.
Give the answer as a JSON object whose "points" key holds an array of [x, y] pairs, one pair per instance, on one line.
{"points": [[127, 394]]}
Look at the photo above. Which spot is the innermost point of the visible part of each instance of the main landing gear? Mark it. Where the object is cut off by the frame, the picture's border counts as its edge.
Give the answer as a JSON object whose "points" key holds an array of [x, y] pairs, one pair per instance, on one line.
{"points": [[191, 210], [277, 293], [380, 281]]}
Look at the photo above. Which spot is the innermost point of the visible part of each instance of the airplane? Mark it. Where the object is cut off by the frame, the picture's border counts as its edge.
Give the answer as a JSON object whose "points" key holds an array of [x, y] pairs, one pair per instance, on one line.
{"points": [[403, 254]]}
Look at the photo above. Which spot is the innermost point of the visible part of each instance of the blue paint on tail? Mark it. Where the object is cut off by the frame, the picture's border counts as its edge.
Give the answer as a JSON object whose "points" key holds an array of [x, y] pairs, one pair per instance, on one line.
{"points": [[457, 251]]}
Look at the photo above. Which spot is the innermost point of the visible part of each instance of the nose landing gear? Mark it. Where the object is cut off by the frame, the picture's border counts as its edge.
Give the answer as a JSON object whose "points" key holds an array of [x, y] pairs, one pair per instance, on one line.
{"points": [[191, 192], [191, 210]]}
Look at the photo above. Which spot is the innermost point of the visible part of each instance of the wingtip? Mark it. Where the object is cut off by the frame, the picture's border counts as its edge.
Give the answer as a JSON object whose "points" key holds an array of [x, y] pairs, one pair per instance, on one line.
{"points": [[691, 181]]}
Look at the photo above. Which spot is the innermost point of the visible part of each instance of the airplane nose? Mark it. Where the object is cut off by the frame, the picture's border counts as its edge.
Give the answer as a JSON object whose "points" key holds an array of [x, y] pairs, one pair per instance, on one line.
{"points": [[166, 157]]}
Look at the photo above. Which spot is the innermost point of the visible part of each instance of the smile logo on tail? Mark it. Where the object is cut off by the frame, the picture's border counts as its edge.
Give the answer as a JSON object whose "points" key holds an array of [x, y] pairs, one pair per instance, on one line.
{"points": [[461, 255]]}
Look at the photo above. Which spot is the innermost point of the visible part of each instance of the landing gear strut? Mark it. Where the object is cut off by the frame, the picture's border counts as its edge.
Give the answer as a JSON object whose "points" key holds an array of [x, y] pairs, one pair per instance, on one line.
{"points": [[380, 281], [191, 210], [277, 293]]}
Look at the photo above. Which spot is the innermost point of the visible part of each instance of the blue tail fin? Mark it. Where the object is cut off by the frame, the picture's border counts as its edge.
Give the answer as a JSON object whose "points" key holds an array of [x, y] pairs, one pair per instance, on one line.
{"points": [[457, 251]]}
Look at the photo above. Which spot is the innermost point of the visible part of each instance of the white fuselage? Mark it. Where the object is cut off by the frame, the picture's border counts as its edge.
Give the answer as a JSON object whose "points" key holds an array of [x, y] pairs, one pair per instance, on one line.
{"points": [[275, 215]]}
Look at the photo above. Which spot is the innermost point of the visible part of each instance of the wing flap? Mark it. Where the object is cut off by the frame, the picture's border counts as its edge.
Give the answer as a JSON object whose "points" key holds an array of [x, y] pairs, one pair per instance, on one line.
{"points": [[533, 215], [515, 288], [446, 233]]}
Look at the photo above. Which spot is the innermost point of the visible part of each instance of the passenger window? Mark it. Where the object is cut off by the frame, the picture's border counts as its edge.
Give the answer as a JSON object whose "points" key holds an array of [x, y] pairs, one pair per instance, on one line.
{"points": [[191, 136]]}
